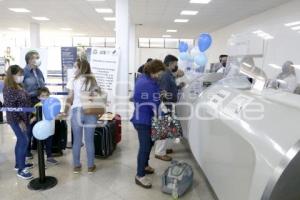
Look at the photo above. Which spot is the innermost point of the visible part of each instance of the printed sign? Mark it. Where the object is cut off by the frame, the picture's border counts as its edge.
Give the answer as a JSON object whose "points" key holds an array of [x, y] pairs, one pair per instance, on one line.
{"points": [[104, 64]]}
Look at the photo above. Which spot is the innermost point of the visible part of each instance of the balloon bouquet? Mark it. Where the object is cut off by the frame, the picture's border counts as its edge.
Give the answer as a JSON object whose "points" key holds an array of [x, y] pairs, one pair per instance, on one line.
{"points": [[45, 128], [196, 57]]}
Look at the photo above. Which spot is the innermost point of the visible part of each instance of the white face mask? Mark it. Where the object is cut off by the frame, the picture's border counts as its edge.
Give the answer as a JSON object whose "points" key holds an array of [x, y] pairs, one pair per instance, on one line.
{"points": [[37, 63], [19, 79]]}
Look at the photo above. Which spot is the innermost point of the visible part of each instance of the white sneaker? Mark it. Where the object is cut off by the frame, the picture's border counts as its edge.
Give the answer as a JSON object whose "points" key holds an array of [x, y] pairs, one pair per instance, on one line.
{"points": [[143, 182]]}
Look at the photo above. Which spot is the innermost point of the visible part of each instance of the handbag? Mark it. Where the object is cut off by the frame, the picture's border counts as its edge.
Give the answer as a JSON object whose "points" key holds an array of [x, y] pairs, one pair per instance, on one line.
{"points": [[165, 127], [93, 103]]}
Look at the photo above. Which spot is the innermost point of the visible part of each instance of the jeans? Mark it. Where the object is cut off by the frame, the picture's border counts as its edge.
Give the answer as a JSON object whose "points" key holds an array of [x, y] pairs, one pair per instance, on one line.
{"points": [[144, 135], [21, 145], [83, 123]]}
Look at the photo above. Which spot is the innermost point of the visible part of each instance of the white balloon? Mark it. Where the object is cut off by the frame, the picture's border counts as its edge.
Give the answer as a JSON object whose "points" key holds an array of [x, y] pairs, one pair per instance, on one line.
{"points": [[43, 129], [195, 51]]}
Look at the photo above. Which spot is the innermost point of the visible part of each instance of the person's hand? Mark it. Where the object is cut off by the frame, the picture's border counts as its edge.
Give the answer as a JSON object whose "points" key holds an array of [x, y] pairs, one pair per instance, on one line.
{"points": [[23, 126], [62, 115], [33, 119]]}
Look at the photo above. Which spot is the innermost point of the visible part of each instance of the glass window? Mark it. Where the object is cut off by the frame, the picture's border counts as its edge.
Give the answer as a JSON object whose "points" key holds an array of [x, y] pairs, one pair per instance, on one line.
{"points": [[63, 41], [97, 41], [171, 43], [157, 43], [110, 42], [81, 41], [190, 42], [144, 42]]}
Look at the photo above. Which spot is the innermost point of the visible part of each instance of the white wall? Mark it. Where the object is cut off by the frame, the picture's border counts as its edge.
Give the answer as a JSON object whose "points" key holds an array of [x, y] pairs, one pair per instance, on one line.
{"points": [[285, 46], [156, 53]]}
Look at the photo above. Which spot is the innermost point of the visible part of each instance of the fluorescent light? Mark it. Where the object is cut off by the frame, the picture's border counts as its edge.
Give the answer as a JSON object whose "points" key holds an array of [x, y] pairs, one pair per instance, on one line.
{"points": [[296, 66], [104, 10], [19, 10], [66, 29], [181, 20], [263, 35], [293, 24], [189, 12], [41, 18], [296, 28], [109, 18], [200, 1], [14, 29], [95, 0], [171, 31], [166, 36], [275, 66]]}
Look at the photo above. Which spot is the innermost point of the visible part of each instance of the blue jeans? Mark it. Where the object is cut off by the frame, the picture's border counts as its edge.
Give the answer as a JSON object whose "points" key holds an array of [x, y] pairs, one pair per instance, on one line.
{"points": [[145, 141], [21, 145], [83, 123]]}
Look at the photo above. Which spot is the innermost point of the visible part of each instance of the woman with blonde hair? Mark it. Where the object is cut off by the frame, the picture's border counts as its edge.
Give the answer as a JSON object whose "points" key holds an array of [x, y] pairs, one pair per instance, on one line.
{"points": [[83, 81]]}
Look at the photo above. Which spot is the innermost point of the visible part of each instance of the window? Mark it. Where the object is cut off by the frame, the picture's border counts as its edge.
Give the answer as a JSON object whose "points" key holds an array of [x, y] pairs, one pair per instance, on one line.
{"points": [[157, 43], [81, 41], [110, 42], [97, 41]]}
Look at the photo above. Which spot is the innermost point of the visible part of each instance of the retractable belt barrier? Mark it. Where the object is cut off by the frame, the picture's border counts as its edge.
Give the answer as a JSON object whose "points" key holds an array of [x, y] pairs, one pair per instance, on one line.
{"points": [[26, 110]]}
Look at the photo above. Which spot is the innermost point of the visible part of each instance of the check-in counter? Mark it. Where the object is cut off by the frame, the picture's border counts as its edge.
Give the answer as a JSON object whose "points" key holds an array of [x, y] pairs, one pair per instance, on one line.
{"points": [[247, 143]]}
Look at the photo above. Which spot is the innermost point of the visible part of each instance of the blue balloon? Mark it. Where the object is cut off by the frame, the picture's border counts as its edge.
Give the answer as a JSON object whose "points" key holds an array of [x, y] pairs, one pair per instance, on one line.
{"points": [[1, 86], [51, 108], [183, 47], [201, 60], [184, 56], [204, 42], [43, 129]]}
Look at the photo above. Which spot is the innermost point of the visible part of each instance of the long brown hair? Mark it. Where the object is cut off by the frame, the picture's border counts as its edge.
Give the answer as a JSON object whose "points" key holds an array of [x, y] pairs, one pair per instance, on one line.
{"points": [[84, 69], [9, 80]]}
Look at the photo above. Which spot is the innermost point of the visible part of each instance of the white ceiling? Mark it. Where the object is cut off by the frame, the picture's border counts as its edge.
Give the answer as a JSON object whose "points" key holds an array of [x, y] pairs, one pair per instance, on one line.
{"points": [[155, 15]]}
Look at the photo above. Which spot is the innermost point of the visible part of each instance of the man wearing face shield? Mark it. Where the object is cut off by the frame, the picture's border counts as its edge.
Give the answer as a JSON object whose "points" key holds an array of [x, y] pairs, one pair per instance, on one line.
{"points": [[169, 91], [287, 79], [33, 81]]}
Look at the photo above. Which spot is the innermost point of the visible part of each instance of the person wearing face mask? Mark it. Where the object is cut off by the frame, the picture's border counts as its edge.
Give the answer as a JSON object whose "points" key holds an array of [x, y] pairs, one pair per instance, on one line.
{"points": [[169, 89], [16, 97], [33, 81], [43, 94], [219, 67], [146, 103]]}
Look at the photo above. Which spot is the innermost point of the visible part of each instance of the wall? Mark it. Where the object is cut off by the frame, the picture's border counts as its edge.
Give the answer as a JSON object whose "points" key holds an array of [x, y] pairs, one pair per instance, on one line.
{"points": [[285, 45], [156, 53]]}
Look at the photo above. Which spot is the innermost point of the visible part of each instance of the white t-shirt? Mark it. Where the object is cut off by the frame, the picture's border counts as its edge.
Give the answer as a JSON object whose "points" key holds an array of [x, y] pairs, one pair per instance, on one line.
{"points": [[77, 86]]}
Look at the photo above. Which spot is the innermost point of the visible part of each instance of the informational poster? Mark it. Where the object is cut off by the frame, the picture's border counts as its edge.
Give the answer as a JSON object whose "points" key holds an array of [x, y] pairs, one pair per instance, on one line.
{"points": [[104, 64], [68, 58], [2, 65], [43, 56]]}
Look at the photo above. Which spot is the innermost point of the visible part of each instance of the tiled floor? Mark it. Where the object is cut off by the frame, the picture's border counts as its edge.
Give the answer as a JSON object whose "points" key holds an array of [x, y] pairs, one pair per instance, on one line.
{"points": [[114, 179]]}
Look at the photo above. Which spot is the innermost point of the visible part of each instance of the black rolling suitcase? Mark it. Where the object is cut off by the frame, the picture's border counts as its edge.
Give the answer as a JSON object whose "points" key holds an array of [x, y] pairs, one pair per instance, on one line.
{"points": [[104, 140], [59, 141]]}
